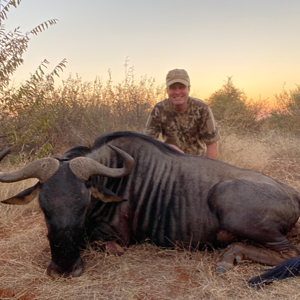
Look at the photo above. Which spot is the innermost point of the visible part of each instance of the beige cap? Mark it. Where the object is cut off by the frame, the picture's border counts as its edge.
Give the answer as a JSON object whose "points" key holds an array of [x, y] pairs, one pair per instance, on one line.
{"points": [[178, 75]]}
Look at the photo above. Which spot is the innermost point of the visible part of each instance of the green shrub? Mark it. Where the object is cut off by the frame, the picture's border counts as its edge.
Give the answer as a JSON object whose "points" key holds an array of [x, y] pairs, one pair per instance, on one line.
{"points": [[48, 119], [233, 111], [25, 114], [286, 117], [28, 112]]}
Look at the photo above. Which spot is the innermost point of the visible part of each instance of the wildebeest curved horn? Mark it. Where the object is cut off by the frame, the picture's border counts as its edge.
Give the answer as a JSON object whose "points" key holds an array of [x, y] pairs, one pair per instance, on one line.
{"points": [[84, 167], [41, 169], [6, 151]]}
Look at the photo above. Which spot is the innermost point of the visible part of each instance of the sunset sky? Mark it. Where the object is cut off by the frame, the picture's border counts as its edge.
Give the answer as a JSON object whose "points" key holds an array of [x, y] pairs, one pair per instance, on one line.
{"points": [[257, 42]]}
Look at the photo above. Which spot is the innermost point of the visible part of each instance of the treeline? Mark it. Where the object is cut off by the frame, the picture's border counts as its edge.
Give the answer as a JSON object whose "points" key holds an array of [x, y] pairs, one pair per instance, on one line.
{"points": [[236, 113], [43, 119]]}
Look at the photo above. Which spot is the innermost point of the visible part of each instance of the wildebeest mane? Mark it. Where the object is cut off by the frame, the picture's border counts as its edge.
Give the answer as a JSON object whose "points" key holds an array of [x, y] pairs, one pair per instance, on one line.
{"points": [[75, 152], [107, 137]]}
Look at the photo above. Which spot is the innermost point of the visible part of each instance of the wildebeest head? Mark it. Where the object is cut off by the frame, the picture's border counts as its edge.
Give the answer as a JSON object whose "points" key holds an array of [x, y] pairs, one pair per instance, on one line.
{"points": [[64, 197]]}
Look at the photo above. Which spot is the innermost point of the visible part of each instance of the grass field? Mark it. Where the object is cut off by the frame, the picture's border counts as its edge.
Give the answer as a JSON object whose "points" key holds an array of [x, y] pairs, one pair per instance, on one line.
{"points": [[143, 271]]}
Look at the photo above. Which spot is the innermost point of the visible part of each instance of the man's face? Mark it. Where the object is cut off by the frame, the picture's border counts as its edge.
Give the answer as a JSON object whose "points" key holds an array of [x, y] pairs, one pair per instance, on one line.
{"points": [[178, 93]]}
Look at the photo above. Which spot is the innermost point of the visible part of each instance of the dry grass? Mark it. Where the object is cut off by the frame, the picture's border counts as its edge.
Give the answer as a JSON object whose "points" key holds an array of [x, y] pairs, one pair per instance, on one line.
{"points": [[271, 153], [144, 271]]}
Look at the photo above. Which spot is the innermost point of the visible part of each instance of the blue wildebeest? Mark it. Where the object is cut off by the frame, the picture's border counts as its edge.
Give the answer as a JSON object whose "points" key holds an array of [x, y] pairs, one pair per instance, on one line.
{"points": [[172, 198]]}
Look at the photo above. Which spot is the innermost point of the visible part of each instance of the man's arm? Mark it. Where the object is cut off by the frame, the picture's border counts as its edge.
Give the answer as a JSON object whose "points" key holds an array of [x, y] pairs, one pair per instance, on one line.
{"points": [[153, 125], [212, 150], [212, 137]]}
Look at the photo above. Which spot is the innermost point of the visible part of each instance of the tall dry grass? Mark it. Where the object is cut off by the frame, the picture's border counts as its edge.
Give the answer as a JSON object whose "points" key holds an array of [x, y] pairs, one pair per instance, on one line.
{"points": [[43, 119], [144, 271]]}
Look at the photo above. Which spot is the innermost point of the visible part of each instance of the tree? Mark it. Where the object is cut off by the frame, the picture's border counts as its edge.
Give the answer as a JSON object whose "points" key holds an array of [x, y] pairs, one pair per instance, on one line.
{"points": [[231, 110], [25, 110], [286, 116], [14, 43], [227, 100]]}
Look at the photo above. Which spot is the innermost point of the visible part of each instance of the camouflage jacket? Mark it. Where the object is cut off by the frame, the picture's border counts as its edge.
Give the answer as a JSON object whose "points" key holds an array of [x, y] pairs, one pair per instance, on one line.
{"points": [[190, 130]]}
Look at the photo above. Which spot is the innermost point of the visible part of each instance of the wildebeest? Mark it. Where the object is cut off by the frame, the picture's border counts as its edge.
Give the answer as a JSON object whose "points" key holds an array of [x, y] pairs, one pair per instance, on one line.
{"points": [[172, 198]]}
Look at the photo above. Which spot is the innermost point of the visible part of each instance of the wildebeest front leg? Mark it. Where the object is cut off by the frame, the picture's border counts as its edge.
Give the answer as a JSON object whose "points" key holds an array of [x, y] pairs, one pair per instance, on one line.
{"points": [[237, 252]]}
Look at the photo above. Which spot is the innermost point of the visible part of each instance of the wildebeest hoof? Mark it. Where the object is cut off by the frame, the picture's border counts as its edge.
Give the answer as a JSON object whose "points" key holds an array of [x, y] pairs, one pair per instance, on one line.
{"points": [[223, 267]]}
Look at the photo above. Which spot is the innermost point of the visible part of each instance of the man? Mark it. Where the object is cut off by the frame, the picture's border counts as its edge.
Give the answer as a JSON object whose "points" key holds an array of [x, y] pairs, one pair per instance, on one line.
{"points": [[184, 122]]}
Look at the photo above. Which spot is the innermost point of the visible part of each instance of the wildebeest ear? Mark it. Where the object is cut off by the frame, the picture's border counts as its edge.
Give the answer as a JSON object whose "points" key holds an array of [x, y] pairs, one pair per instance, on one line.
{"points": [[104, 194], [25, 196]]}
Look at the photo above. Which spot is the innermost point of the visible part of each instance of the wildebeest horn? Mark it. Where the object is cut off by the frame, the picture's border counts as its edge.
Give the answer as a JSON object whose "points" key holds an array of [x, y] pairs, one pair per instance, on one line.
{"points": [[84, 167], [6, 151], [41, 169]]}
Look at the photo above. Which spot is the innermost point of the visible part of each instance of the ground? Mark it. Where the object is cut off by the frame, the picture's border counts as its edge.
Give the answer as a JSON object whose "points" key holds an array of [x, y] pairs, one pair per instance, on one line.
{"points": [[142, 272]]}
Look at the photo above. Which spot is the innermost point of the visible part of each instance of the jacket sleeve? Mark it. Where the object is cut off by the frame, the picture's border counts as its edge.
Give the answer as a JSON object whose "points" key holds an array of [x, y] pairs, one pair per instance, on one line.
{"points": [[153, 125], [210, 133]]}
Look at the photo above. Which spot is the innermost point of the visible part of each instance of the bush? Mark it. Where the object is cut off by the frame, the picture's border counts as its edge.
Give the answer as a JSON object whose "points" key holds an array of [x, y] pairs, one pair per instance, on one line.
{"points": [[88, 109], [25, 115], [286, 117], [42, 117], [28, 112], [233, 112]]}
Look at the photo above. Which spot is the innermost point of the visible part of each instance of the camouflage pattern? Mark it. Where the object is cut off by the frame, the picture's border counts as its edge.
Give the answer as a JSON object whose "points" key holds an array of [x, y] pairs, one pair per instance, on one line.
{"points": [[190, 130]]}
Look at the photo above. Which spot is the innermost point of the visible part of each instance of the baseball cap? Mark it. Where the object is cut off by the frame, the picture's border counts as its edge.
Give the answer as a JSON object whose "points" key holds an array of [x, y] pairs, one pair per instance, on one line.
{"points": [[178, 75]]}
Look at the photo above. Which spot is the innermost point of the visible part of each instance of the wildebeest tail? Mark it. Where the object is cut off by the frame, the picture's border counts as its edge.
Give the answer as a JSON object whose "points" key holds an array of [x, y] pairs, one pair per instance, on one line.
{"points": [[289, 268]]}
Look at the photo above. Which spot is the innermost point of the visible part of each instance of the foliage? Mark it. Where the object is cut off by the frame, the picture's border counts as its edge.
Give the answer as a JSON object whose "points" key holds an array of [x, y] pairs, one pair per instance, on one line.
{"points": [[41, 116], [27, 111], [88, 109], [232, 110], [14, 44], [286, 116], [25, 114]]}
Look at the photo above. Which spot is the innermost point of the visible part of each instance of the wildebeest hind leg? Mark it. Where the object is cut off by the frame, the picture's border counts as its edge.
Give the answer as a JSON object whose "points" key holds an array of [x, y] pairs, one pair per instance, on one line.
{"points": [[257, 211], [237, 252]]}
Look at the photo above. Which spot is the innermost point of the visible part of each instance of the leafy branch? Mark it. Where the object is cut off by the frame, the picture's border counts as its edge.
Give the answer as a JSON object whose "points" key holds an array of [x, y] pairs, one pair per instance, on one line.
{"points": [[27, 112], [14, 44]]}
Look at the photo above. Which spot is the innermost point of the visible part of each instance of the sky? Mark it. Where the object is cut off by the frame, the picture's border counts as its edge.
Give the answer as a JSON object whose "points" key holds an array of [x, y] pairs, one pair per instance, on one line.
{"points": [[256, 42]]}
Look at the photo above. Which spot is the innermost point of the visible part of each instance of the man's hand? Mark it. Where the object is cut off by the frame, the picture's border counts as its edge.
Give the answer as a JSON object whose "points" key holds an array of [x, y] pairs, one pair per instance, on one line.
{"points": [[175, 147], [212, 150]]}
